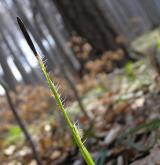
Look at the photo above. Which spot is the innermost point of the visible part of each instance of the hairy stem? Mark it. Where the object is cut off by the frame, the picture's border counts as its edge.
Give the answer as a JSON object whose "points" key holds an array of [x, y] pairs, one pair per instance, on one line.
{"points": [[73, 128]]}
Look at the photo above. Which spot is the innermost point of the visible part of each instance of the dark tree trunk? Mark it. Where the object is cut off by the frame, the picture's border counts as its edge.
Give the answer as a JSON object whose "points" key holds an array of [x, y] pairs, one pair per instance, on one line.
{"points": [[68, 55], [40, 31], [87, 19], [25, 76], [8, 75]]}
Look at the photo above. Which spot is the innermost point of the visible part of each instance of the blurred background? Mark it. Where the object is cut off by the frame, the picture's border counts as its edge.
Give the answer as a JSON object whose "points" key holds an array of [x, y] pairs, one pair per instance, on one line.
{"points": [[104, 55]]}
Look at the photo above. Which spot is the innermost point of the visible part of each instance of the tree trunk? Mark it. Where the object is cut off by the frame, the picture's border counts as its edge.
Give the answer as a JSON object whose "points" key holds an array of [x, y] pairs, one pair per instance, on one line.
{"points": [[25, 76], [87, 20], [60, 42], [8, 75], [37, 25]]}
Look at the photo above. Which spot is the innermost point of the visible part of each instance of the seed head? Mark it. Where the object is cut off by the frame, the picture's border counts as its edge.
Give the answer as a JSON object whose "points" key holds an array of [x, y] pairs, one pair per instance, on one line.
{"points": [[27, 36]]}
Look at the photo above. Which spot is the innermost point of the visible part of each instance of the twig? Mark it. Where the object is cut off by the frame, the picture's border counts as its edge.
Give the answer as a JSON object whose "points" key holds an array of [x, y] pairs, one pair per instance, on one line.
{"points": [[21, 124]]}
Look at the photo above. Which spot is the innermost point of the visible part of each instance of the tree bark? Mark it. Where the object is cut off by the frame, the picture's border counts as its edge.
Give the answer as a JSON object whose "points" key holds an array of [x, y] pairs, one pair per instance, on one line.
{"points": [[87, 20], [60, 42], [26, 78], [37, 25], [8, 75]]}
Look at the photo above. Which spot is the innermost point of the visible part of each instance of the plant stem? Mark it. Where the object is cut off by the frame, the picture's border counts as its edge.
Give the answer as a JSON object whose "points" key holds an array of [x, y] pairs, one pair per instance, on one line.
{"points": [[73, 128]]}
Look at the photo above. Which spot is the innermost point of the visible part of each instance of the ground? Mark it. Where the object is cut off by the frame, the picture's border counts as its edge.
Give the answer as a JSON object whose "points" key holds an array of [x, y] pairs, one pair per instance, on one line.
{"points": [[125, 129]]}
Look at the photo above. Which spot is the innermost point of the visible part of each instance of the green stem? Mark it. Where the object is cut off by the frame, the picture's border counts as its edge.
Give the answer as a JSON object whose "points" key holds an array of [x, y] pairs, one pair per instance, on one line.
{"points": [[76, 135]]}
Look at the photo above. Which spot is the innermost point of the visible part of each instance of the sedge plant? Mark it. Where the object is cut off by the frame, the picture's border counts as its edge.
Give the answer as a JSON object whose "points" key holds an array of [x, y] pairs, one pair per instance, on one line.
{"points": [[73, 128]]}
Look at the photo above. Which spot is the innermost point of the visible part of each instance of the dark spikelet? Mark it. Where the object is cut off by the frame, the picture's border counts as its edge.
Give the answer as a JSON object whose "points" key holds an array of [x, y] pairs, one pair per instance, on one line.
{"points": [[26, 35]]}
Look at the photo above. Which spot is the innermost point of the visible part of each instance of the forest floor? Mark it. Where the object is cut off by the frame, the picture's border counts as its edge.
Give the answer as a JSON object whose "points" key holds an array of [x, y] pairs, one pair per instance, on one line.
{"points": [[125, 109]]}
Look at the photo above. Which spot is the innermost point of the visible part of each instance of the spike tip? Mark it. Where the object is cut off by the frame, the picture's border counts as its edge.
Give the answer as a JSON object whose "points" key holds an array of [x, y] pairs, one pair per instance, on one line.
{"points": [[27, 36]]}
